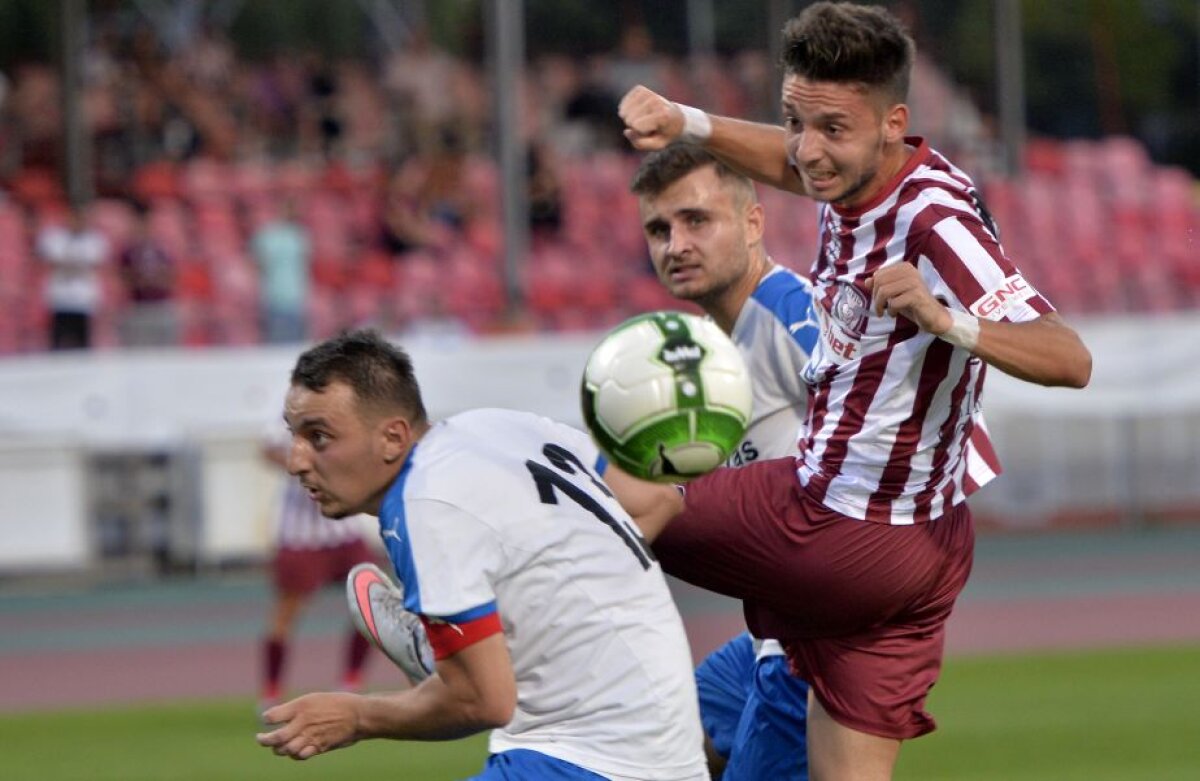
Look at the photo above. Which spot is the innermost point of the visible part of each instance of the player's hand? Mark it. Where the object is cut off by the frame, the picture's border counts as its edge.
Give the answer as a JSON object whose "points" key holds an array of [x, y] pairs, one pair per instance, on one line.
{"points": [[899, 291], [311, 725], [651, 121]]}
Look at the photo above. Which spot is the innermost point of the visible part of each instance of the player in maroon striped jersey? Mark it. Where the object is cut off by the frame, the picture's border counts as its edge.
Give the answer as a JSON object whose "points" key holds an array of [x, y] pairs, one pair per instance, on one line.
{"points": [[855, 552]]}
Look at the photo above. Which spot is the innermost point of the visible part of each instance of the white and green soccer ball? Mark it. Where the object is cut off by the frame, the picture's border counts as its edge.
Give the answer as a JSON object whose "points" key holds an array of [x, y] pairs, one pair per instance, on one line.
{"points": [[666, 396]]}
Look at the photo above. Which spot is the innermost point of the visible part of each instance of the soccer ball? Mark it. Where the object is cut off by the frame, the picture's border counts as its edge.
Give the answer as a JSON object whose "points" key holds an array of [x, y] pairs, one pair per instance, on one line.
{"points": [[666, 396]]}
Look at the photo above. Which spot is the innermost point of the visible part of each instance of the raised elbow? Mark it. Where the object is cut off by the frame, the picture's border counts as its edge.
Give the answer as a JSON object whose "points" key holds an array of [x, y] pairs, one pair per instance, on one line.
{"points": [[1069, 355], [1079, 370]]}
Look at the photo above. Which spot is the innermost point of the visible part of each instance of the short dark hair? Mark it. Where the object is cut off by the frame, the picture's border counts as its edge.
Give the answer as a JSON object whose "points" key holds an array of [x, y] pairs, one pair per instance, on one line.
{"points": [[844, 42], [380, 373], [663, 167]]}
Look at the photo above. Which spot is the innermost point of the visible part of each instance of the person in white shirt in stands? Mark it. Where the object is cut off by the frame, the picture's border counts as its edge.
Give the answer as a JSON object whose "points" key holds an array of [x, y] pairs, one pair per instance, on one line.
{"points": [[551, 623], [75, 253]]}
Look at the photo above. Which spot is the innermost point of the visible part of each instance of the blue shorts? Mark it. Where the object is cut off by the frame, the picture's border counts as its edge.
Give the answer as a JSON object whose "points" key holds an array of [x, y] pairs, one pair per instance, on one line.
{"points": [[523, 764], [754, 713]]}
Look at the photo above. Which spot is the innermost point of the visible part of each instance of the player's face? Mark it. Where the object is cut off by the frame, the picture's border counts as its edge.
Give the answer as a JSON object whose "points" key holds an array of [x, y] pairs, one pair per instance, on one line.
{"points": [[339, 455], [699, 231], [837, 137]]}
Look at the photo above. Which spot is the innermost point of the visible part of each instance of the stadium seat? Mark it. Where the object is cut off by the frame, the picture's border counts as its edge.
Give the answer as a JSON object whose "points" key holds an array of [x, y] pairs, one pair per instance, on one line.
{"points": [[325, 318], [252, 180], [155, 181], [205, 180], [1045, 156], [36, 187], [644, 293], [116, 219], [474, 292], [328, 272]]}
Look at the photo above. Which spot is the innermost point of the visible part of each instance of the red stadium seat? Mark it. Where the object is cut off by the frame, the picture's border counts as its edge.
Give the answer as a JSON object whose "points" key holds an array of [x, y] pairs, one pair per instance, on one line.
{"points": [[37, 187], [155, 181], [206, 179], [115, 219], [1045, 156]]}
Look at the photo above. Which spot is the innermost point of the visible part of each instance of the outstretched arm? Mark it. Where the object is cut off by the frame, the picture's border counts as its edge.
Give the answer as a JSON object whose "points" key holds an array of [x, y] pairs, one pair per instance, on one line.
{"points": [[651, 505], [473, 690], [1045, 351], [755, 149]]}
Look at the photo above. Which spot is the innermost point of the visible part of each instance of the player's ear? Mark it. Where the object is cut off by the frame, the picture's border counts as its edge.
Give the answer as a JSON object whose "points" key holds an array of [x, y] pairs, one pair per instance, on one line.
{"points": [[397, 438], [755, 223], [895, 123]]}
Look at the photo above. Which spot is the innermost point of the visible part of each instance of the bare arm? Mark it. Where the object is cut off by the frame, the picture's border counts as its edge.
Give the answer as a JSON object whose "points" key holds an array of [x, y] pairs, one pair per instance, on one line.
{"points": [[1045, 351], [651, 505], [473, 690], [753, 148]]}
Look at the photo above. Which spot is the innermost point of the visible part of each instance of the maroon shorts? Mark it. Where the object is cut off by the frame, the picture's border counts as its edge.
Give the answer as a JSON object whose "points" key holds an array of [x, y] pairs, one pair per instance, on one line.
{"points": [[304, 570], [860, 607]]}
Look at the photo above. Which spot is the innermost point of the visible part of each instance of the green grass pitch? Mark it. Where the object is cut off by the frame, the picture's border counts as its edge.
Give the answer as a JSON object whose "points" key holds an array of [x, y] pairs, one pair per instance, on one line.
{"points": [[1100, 716]]}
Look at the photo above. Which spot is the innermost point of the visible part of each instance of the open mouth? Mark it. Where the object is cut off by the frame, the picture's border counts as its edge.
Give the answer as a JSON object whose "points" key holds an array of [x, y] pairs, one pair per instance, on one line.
{"points": [[821, 179], [682, 273]]}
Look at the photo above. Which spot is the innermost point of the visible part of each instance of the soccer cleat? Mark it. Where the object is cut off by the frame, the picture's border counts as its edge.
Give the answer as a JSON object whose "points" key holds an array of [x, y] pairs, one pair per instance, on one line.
{"points": [[377, 608]]}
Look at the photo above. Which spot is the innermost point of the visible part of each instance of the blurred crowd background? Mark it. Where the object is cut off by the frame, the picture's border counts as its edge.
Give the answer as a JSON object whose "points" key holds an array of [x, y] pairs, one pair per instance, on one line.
{"points": [[276, 170]]}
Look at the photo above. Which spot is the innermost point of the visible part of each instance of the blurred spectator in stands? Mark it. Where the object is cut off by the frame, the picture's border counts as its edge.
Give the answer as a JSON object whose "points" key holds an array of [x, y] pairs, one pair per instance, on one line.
{"points": [[442, 192], [634, 62], [545, 193], [283, 253], [209, 58], [942, 111], [422, 78], [428, 204], [148, 274], [36, 106], [367, 133], [589, 113], [319, 108], [75, 252], [206, 122], [404, 226]]}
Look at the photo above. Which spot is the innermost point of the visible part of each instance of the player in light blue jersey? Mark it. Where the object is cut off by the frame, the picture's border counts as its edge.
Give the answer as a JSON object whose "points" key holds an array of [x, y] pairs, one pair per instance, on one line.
{"points": [[704, 230], [549, 619]]}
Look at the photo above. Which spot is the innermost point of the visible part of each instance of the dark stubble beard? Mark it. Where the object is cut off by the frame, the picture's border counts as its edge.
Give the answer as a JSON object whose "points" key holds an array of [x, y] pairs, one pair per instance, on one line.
{"points": [[864, 180]]}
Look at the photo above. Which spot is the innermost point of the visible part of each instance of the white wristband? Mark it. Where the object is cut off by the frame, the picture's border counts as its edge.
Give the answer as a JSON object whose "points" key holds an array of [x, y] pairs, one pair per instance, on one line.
{"points": [[697, 127], [963, 332]]}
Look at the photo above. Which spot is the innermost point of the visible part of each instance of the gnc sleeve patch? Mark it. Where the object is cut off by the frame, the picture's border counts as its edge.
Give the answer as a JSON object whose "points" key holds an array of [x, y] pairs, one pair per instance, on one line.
{"points": [[995, 304]]}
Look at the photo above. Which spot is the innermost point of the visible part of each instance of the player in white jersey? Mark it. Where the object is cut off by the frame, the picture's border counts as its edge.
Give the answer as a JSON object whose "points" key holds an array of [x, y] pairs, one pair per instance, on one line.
{"points": [[550, 620], [310, 551], [855, 554], [704, 229]]}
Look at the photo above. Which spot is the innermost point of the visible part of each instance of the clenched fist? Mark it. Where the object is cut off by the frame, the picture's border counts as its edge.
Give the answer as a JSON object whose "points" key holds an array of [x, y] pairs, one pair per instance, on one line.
{"points": [[651, 121], [899, 290]]}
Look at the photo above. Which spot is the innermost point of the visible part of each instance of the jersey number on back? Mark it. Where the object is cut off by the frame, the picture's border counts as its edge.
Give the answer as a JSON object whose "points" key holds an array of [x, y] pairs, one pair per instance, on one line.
{"points": [[567, 463]]}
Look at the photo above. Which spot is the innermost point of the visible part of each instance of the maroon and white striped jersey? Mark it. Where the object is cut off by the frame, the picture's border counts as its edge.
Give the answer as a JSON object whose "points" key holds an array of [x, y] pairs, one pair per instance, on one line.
{"points": [[300, 525], [895, 432]]}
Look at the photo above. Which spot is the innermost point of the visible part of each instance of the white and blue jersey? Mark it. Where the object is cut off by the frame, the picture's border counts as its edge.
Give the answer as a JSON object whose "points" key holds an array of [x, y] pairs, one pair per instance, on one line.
{"points": [[503, 513], [775, 332]]}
